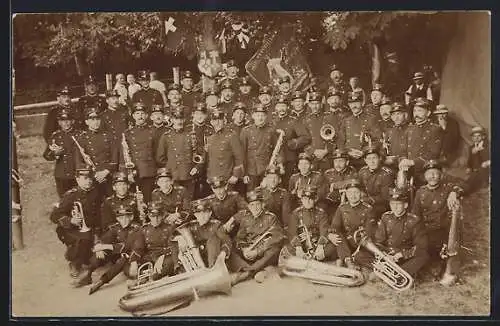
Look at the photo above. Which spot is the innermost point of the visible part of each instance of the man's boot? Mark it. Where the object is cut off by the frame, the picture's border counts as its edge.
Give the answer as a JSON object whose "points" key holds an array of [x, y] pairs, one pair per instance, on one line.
{"points": [[86, 279]]}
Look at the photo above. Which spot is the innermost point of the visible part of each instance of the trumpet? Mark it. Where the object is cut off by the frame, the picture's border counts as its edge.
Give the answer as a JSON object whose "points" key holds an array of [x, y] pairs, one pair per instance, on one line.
{"points": [[305, 236], [263, 238], [141, 206], [129, 165], [77, 212]]}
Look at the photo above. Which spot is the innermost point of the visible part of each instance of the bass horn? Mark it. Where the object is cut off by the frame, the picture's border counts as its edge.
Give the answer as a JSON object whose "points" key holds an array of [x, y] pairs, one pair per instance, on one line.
{"points": [[327, 132]]}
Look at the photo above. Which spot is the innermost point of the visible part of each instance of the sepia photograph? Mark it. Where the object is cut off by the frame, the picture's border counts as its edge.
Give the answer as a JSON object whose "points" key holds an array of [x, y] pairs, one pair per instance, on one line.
{"points": [[250, 163]]}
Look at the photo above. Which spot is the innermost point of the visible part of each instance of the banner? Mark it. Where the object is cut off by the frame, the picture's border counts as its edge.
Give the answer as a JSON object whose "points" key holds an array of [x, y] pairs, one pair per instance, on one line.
{"points": [[280, 56]]}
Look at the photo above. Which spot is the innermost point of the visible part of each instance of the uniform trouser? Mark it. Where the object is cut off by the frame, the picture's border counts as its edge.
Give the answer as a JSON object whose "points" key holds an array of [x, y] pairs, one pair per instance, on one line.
{"points": [[210, 250], [119, 264], [63, 185], [79, 244], [201, 187], [254, 182], [238, 263], [436, 240], [146, 186], [290, 168], [240, 187], [189, 185], [414, 264], [168, 266]]}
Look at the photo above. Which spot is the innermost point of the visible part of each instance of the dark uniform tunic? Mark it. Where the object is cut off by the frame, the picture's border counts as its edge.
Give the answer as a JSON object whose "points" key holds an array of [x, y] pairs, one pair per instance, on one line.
{"points": [[158, 132], [115, 122], [224, 209], [314, 122], [86, 101], [377, 185], [174, 199], [159, 241], [277, 201], [385, 125], [149, 97], [111, 205], [396, 138], [202, 132], [225, 155], [405, 234], [52, 125], [335, 180], [354, 126], [189, 100], [298, 182]]}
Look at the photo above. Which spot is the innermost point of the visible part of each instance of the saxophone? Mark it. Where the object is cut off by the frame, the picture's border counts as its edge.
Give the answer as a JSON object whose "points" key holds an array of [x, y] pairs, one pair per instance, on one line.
{"points": [[274, 156], [129, 165], [189, 252]]}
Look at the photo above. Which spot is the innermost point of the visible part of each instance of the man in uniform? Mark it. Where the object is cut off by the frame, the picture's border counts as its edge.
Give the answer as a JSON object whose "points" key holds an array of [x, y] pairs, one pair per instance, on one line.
{"points": [[284, 88], [238, 118], [175, 100], [305, 177], [276, 199], [384, 118], [337, 81], [394, 140], [99, 146], [419, 89], [158, 123], [424, 140], [245, 92], [91, 97], [61, 150], [115, 118], [354, 86], [251, 256], [231, 73], [451, 134], [224, 203], [211, 100], [142, 145], [296, 136], [175, 152], [336, 178], [70, 222], [226, 97], [433, 204], [402, 234], [336, 111], [298, 101], [63, 102], [258, 141], [376, 179], [376, 98], [146, 94], [121, 197], [265, 98], [189, 96], [172, 197]]}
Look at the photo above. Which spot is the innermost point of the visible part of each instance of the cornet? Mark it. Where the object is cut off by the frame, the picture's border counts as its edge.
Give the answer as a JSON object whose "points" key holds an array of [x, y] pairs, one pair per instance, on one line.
{"points": [[77, 212]]}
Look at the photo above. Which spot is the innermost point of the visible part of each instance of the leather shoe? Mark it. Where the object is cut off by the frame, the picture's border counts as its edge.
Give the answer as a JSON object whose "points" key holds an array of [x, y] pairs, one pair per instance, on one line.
{"points": [[448, 280], [260, 276], [82, 281]]}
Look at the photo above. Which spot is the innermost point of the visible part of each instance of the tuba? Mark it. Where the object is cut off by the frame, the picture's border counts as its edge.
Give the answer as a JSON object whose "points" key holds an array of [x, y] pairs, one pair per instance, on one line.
{"points": [[317, 272], [383, 266], [327, 132], [77, 212], [189, 252], [169, 293]]}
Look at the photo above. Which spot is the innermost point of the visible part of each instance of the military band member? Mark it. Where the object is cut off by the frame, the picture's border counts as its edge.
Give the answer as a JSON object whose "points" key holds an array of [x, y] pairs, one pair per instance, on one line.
{"points": [[305, 177], [384, 118], [208, 233], [336, 177], [265, 98], [63, 102], [189, 96], [61, 150], [354, 86], [231, 73], [376, 98], [211, 100], [91, 97], [350, 217], [432, 205], [120, 245], [258, 141], [224, 203], [395, 139], [146, 94], [175, 152], [419, 89], [158, 123], [402, 234], [376, 179], [336, 110], [100, 147], [141, 140], [70, 222], [284, 87], [451, 134], [276, 199], [226, 102], [251, 256], [298, 103], [238, 115], [173, 197], [478, 160], [296, 136], [115, 118], [175, 100], [336, 80], [245, 92], [159, 247], [121, 197]]}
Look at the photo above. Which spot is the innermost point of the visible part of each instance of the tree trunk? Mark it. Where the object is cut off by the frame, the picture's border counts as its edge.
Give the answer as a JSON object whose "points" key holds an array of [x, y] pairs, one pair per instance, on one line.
{"points": [[78, 65]]}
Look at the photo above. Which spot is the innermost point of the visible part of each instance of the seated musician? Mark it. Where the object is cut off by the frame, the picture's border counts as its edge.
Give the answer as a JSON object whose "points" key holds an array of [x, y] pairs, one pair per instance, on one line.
{"points": [[172, 197], [70, 223], [120, 245], [478, 160], [158, 246], [276, 199], [336, 177], [305, 176], [308, 228], [402, 235], [258, 241]]}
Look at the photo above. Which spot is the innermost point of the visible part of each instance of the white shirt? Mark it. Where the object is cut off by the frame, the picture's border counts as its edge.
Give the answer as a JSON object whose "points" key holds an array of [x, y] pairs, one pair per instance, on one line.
{"points": [[132, 89], [158, 85]]}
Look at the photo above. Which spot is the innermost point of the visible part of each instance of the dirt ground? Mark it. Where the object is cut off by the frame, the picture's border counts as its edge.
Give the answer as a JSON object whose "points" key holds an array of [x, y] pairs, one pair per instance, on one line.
{"points": [[41, 282]]}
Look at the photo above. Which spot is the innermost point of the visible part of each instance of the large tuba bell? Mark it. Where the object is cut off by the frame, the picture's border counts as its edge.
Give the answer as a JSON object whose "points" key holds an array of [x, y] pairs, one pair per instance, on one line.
{"points": [[327, 132], [318, 272], [189, 252], [170, 293], [384, 267]]}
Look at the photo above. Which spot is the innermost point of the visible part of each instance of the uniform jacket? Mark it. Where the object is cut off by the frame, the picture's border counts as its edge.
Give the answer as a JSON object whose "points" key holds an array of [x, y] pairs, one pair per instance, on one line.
{"points": [[354, 126], [99, 145], [332, 177], [189, 100], [296, 138], [298, 182], [423, 143], [278, 202], [213, 228], [315, 219], [377, 185], [159, 241], [397, 138], [336, 119], [142, 144], [175, 198], [224, 209], [225, 154], [115, 122], [90, 202], [112, 203], [65, 162], [348, 219], [88, 101], [313, 123], [51, 124], [129, 240]]}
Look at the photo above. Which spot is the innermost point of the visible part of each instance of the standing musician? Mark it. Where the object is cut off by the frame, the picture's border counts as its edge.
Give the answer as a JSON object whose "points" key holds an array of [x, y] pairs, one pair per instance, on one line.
{"points": [[376, 98], [226, 102], [432, 204], [231, 71], [224, 203], [265, 98], [296, 136], [176, 151], [189, 96], [141, 143], [77, 210], [336, 177], [115, 118], [305, 177], [284, 87], [394, 140], [258, 241], [276, 199], [175, 100], [376, 179], [121, 245], [336, 111], [350, 217], [451, 134], [146, 94], [158, 247], [402, 234], [245, 94], [61, 150], [337, 81], [91, 97], [175, 203], [238, 115], [121, 197], [224, 152], [158, 123], [384, 118], [63, 102], [211, 100], [298, 101], [258, 141], [99, 150]]}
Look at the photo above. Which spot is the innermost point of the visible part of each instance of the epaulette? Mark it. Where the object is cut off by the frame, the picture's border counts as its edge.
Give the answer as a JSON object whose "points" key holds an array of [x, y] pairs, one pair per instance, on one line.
{"points": [[413, 216], [386, 169], [295, 174], [113, 225], [316, 172], [366, 204], [135, 225], [232, 192], [156, 190], [179, 187], [74, 189], [109, 198], [330, 171], [56, 132], [271, 214], [246, 127], [363, 168]]}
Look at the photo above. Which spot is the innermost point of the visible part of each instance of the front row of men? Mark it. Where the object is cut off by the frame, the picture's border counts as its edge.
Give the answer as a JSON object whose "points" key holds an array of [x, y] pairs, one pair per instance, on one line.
{"points": [[248, 232]]}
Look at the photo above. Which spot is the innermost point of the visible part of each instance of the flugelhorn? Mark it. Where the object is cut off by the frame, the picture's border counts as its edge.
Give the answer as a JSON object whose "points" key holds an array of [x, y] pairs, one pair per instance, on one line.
{"points": [[77, 212]]}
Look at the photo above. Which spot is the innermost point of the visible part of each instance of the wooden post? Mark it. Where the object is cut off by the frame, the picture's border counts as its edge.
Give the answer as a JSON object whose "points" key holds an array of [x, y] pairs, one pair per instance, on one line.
{"points": [[16, 213], [176, 75], [109, 82]]}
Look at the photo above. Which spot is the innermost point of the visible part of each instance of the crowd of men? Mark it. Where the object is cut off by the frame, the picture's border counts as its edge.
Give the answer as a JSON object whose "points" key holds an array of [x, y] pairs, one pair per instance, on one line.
{"points": [[237, 161]]}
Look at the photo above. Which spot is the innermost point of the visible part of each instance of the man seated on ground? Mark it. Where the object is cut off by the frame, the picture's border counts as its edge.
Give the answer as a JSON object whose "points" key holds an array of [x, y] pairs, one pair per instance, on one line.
{"points": [[478, 162], [276, 199]]}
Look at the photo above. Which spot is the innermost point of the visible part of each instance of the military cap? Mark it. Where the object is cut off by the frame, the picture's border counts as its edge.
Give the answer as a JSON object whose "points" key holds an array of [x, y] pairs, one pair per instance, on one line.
{"points": [[284, 79], [163, 173], [85, 170], [314, 96], [352, 183], [239, 106], [226, 84], [200, 205], [211, 92], [143, 75], [478, 130], [90, 79], [174, 87], [231, 63], [333, 91], [63, 91], [265, 90], [334, 67], [120, 177], [217, 182], [398, 107], [245, 81], [155, 207], [310, 191], [187, 74], [340, 153], [386, 101], [254, 195], [305, 156], [259, 108], [91, 111], [398, 194], [432, 164], [124, 210], [111, 93], [64, 114], [441, 109], [217, 114], [138, 106], [418, 75], [354, 96], [272, 170], [297, 94], [378, 87], [157, 108], [282, 99], [200, 106], [178, 113], [371, 149], [421, 102]]}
